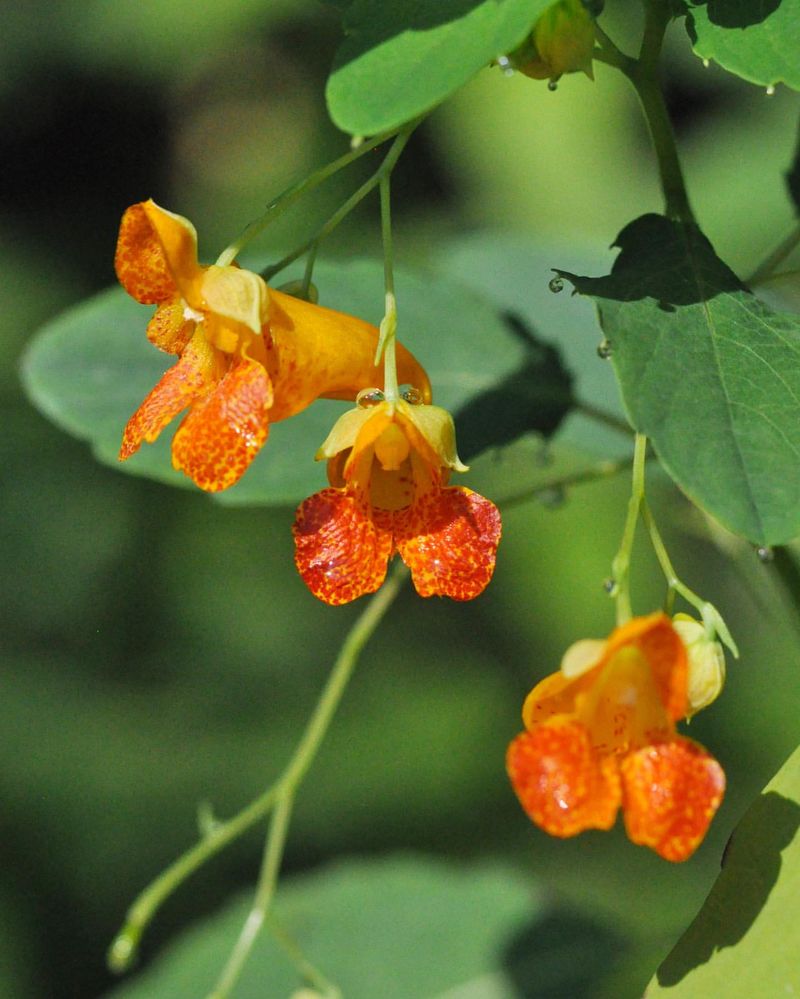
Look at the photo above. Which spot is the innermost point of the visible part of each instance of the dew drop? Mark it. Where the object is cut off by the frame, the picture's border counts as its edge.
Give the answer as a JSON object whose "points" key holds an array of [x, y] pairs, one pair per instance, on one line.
{"points": [[556, 285], [412, 396], [505, 65], [552, 85], [604, 349], [706, 63], [369, 397], [770, 90], [765, 553], [609, 585]]}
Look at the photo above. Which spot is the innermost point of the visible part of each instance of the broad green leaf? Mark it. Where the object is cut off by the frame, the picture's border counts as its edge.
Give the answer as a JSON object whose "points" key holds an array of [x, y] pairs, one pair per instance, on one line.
{"points": [[89, 369], [745, 940], [402, 57], [399, 928], [708, 372], [758, 41]]}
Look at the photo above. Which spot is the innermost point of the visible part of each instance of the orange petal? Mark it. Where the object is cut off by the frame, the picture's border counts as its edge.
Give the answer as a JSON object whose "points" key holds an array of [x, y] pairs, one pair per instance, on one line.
{"points": [[168, 329], [179, 386], [561, 782], [140, 262], [317, 352], [340, 552], [226, 429], [448, 538], [665, 653], [671, 792]]}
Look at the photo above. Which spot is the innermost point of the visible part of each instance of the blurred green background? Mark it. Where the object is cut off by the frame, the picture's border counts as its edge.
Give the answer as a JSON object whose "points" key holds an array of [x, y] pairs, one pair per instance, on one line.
{"points": [[160, 651]]}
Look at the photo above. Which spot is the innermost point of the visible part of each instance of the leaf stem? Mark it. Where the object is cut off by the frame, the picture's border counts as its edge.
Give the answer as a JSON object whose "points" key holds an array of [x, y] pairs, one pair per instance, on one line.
{"points": [[644, 75], [125, 945], [388, 328], [288, 197], [347, 206], [620, 567]]}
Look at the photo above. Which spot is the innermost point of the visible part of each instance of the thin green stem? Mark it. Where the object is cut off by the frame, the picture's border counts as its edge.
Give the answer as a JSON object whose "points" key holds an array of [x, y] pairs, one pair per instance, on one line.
{"points": [[308, 273], [388, 329], [124, 947], [712, 619], [307, 971], [601, 470], [643, 73], [265, 891], [346, 207], [620, 567], [288, 197]]}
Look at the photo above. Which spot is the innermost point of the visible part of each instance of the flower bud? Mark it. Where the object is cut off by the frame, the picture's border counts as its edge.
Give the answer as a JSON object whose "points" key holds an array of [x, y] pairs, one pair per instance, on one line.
{"points": [[562, 41], [706, 663]]}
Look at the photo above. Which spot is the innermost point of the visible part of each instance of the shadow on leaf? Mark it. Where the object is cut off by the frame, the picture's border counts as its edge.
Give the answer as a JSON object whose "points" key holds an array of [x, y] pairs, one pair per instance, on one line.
{"points": [[751, 865], [739, 13]]}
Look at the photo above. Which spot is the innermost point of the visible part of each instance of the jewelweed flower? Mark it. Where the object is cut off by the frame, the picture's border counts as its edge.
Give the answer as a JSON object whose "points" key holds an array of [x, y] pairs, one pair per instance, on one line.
{"points": [[562, 41], [601, 736], [248, 356], [388, 466]]}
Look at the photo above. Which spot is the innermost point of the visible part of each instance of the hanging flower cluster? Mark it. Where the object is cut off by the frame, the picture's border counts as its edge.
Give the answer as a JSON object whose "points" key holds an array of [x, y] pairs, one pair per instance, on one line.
{"points": [[600, 736], [249, 356]]}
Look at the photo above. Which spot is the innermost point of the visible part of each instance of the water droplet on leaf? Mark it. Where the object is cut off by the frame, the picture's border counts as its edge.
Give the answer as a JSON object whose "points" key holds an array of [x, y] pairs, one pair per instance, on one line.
{"points": [[556, 285], [505, 65], [770, 90], [413, 396], [369, 397], [765, 553], [706, 63], [609, 585], [604, 349], [552, 85]]}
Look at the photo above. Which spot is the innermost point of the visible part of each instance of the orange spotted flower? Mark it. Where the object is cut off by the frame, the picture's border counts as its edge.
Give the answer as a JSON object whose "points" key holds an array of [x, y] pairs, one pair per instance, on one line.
{"points": [[388, 466], [601, 735], [247, 355]]}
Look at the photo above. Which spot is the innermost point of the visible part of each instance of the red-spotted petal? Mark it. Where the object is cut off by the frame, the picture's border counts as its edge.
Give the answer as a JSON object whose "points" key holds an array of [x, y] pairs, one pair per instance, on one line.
{"points": [[140, 262], [448, 538], [179, 386], [340, 552], [168, 329], [671, 792], [226, 429], [562, 784]]}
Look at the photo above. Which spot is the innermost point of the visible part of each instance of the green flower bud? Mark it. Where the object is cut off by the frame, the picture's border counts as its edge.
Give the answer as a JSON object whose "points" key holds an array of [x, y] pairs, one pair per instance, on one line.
{"points": [[706, 663], [562, 41]]}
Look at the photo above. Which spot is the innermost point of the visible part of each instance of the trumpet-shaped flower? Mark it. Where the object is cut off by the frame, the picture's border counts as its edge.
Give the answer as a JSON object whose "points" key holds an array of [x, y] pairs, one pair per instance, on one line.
{"points": [[562, 41], [601, 735], [388, 466], [247, 355]]}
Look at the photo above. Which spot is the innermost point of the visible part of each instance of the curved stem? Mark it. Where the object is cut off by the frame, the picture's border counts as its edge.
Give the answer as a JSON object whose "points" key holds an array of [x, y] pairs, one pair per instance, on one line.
{"points": [[620, 567], [124, 947], [288, 197], [344, 210]]}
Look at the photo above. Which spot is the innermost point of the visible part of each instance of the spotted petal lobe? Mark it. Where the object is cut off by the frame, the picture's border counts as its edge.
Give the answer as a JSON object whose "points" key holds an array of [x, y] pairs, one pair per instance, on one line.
{"points": [[226, 428], [671, 792], [562, 784], [178, 388], [341, 553], [448, 539]]}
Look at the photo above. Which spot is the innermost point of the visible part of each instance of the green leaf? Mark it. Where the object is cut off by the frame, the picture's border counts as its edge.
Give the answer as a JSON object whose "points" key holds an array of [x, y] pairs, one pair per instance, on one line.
{"points": [[402, 57], [398, 928], [745, 940], [756, 40], [90, 368], [708, 372]]}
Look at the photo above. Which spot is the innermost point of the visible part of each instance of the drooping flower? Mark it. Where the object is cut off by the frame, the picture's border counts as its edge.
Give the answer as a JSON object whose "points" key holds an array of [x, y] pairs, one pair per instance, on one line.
{"points": [[601, 736], [248, 356], [562, 41], [388, 466]]}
